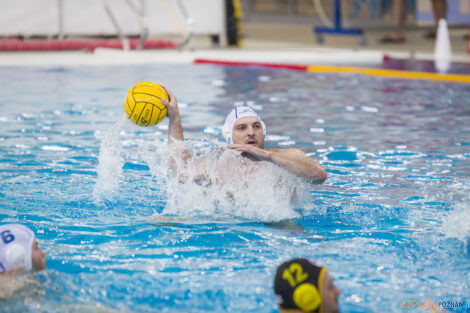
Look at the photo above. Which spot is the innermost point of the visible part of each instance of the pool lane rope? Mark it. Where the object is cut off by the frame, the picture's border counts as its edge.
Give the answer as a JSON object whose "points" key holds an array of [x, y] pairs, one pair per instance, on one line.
{"points": [[456, 78]]}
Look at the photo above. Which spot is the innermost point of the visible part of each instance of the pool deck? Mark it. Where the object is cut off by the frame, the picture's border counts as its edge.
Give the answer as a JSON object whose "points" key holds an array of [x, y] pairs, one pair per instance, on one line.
{"points": [[262, 42]]}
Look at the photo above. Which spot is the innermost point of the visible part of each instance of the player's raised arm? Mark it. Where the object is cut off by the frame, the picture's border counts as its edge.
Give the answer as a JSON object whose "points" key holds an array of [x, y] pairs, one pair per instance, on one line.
{"points": [[180, 154], [175, 129]]}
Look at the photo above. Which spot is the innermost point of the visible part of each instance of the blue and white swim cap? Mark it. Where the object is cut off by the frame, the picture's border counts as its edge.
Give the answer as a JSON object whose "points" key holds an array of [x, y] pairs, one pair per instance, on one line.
{"points": [[15, 247], [233, 116]]}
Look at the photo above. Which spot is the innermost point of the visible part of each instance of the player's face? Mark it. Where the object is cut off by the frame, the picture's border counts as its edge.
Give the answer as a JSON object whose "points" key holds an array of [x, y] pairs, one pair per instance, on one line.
{"points": [[248, 130], [330, 294], [38, 257]]}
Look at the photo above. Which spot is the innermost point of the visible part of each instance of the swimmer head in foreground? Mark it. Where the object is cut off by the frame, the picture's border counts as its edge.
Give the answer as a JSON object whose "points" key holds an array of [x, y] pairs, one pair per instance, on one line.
{"points": [[19, 252], [19, 249], [301, 285], [245, 131]]}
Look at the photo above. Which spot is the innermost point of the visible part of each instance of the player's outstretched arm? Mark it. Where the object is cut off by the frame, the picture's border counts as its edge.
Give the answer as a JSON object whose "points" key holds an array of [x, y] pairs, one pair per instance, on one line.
{"points": [[292, 159], [300, 164]]}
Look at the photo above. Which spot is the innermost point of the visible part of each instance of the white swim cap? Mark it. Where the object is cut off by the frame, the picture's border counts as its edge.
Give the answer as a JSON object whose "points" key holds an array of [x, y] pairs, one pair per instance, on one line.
{"points": [[15, 247], [233, 116]]}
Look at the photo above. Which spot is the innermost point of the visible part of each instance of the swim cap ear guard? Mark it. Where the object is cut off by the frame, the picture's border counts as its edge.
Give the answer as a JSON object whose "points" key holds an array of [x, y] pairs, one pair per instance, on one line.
{"points": [[298, 284], [233, 116], [15, 247]]}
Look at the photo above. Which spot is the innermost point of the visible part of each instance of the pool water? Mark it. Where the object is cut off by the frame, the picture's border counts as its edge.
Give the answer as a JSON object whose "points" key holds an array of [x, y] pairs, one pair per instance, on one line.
{"points": [[391, 221]]}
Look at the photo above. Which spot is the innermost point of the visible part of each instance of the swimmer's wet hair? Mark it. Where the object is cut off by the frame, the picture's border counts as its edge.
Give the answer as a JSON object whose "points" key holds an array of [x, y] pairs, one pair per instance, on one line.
{"points": [[15, 247], [298, 284], [233, 116]]}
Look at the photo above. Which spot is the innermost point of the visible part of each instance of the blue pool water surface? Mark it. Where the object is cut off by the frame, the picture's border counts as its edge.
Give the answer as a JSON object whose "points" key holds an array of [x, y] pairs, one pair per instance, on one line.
{"points": [[390, 222]]}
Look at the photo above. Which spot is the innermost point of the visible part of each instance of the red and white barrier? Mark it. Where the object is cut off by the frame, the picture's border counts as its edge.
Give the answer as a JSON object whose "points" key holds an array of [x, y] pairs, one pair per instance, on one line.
{"points": [[88, 44]]}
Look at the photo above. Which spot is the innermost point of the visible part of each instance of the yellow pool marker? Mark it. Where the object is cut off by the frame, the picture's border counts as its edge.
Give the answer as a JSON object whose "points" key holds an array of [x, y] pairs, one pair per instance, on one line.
{"points": [[456, 78]]}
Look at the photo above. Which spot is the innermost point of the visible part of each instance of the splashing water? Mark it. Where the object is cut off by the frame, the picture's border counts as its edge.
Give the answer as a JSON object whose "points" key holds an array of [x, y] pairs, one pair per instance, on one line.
{"points": [[110, 164], [456, 224], [207, 179], [204, 178]]}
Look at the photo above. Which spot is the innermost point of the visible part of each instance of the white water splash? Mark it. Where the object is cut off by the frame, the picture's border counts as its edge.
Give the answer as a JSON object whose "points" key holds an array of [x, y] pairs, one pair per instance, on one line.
{"points": [[457, 222], [217, 182], [212, 180], [110, 164]]}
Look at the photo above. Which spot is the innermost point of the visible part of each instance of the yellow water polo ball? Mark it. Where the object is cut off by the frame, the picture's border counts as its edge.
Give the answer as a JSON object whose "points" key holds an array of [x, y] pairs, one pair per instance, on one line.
{"points": [[143, 104]]}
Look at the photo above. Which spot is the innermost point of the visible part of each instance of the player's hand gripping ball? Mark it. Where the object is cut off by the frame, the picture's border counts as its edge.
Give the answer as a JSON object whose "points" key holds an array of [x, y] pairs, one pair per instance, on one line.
{"points": [[143, 104]]}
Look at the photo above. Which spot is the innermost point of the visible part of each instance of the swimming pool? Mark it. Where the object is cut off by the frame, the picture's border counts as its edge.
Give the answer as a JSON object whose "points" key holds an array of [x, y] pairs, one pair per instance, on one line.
{"points": [[390, 221]]}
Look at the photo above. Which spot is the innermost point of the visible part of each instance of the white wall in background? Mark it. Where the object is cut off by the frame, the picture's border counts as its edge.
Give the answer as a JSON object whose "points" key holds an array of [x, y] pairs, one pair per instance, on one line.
{"points": [[88, 17]]}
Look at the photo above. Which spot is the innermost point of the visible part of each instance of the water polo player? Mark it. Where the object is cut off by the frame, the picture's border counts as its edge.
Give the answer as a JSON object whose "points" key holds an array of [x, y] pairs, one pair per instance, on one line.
{"points": [[19, 249], [245, 131], [302, 286]]}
